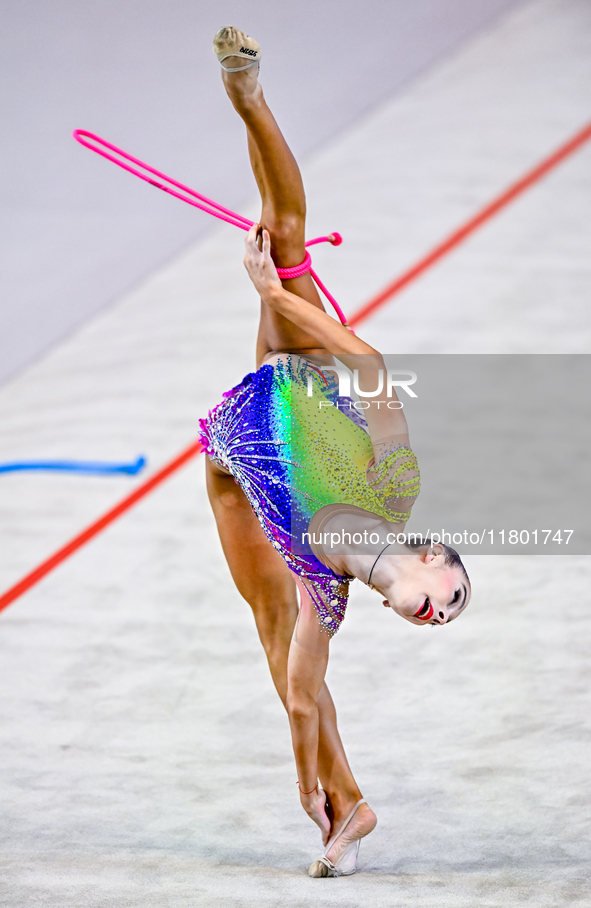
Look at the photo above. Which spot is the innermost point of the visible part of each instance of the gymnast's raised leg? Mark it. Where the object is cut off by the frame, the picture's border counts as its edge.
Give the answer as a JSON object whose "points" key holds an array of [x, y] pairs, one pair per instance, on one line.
{"points": [[259, 572]]}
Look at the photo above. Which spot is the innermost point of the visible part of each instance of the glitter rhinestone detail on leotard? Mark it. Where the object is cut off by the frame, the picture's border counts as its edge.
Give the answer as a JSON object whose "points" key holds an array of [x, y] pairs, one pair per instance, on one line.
{"points": [[292, 457]]}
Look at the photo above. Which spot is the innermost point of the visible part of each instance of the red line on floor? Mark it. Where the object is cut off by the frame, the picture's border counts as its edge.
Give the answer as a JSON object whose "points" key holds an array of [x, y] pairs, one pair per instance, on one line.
{"points": [[386, 294], [484, 215], [90, 532]]}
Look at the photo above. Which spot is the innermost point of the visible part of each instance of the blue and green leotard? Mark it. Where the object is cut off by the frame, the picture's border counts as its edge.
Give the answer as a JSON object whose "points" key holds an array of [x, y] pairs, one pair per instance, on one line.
{"points": [[292, 457]]}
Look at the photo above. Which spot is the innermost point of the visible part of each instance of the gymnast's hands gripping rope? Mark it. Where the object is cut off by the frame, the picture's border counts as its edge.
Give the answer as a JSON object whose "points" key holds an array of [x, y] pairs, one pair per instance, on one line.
{"points": [[259, 264], [336, 337]]}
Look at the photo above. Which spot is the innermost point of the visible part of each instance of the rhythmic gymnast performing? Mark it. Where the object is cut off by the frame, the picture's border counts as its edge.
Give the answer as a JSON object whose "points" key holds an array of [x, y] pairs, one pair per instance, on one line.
{"points": [[308, 490]]}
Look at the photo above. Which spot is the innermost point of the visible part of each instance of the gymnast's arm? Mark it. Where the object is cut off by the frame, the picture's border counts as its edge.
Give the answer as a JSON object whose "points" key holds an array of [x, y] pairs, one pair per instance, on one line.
{"points": [[336, 338]]}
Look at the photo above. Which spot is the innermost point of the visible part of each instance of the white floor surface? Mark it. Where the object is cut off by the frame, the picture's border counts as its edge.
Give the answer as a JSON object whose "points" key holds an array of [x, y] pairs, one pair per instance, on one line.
{"points": [[146, 759]]}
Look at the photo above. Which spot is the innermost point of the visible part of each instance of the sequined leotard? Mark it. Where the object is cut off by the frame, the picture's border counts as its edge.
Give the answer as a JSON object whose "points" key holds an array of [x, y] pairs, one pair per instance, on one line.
{"points": [[293, 457]]}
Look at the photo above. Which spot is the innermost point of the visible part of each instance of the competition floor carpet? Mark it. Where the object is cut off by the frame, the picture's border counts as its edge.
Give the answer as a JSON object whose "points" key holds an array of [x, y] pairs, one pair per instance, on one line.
{"points": [[146, 758]]}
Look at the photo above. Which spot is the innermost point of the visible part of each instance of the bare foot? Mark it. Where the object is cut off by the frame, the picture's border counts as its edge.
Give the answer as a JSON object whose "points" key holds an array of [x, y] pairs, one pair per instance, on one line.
{"points": [[315, 806], [242, 86]]}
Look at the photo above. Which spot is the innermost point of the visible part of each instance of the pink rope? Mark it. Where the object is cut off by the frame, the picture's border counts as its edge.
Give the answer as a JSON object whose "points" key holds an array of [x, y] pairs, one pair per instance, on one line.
{"points": [[197, 200], [287, 274]]}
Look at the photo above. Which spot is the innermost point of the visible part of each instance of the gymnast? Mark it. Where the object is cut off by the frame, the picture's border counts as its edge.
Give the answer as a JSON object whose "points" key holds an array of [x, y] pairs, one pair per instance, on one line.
{"points": [[287, 472]]}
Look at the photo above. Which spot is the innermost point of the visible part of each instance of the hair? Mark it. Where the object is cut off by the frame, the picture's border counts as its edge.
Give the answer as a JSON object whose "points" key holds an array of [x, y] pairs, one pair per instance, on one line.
{"points": [[451, 556]]}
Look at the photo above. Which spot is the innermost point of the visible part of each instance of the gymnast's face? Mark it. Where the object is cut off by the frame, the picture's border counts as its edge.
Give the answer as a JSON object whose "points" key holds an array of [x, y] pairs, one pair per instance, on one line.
{"points": [[427, 590]]}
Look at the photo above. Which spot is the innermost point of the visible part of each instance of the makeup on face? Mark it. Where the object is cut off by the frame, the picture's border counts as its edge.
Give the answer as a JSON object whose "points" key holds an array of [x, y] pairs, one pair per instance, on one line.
{"points": [[426, 611]]}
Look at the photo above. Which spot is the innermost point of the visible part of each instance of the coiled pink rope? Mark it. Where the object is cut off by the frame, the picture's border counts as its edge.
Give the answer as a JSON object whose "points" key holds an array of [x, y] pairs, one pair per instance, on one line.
{"points": [[297, 271], [204, 204]]}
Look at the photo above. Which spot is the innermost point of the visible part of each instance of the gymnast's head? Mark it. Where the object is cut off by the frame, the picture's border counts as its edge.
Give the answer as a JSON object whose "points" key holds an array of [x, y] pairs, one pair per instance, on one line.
{"points": [[428, 584]]}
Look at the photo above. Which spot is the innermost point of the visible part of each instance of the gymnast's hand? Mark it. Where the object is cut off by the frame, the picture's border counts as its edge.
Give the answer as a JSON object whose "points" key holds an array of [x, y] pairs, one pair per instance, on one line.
{"points": [[259, 264]]}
